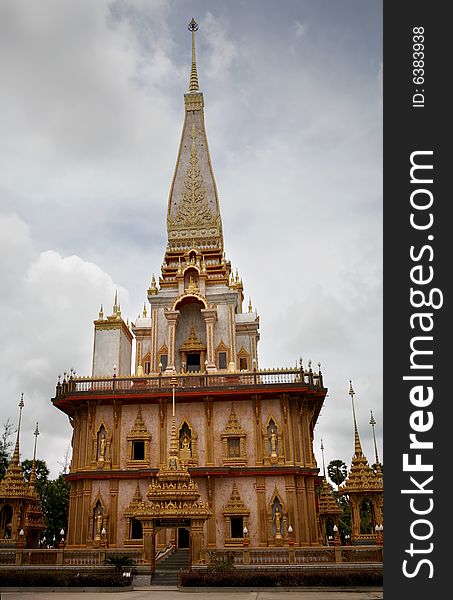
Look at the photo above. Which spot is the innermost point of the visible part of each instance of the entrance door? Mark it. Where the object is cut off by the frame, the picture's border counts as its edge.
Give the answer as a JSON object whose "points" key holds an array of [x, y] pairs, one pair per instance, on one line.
{"points": [[193, 361], [183, 537]]}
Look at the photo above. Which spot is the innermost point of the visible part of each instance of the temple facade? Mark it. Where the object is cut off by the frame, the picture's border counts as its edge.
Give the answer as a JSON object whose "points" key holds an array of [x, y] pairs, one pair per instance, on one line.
{"points": [[191, 443]]}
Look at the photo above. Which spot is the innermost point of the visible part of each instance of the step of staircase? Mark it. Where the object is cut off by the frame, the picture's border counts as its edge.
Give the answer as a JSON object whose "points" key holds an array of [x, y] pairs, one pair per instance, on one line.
{"points": [[166, 573]]}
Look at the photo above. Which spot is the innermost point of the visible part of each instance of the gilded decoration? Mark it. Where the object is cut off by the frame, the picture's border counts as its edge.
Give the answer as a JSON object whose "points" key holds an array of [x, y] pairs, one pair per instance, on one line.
{"points": [[222, 348], [138, 444], [129, 512], [193, 218], [98, 520], [172, 494], [235, 509], [277, 517], [243, 360], [362, 485], [272, 443], [101, 457], [233, 442], [188, 452], [329, 510]]}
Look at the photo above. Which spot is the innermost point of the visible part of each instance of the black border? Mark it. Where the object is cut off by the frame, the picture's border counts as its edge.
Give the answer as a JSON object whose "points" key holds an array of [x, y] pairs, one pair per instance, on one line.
{"points": [[407, 129]]}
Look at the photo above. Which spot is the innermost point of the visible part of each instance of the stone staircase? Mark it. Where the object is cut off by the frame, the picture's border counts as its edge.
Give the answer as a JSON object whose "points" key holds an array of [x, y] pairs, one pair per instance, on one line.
{"points": [[166, 573]]}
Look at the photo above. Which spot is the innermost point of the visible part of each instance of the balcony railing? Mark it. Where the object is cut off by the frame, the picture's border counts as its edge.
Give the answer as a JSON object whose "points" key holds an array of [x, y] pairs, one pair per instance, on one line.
{"points": [[164, 381]]}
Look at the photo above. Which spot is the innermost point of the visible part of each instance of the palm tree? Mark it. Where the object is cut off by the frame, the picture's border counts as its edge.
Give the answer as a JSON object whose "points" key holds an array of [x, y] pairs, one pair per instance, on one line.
{"points": [[337, 471]]}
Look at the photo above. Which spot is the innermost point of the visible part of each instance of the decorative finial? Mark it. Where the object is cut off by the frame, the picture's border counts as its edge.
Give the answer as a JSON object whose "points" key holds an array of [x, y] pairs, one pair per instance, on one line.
{"points": [[323, 463], [250, 305], [144, 310], [193, 81], [153, 288], [15, 459], [101, 313], [115, 305], [357, 445], [373, 423]]}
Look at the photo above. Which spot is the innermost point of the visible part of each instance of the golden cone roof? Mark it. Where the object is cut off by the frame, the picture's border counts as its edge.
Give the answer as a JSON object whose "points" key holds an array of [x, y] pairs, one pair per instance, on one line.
{"points": [[13, 484], [327, 502], [235, 505], [193, 216], [361, 477]]}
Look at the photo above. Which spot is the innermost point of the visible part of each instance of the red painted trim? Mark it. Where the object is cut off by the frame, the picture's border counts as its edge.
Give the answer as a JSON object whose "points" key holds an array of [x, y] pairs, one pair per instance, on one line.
{"points": [[198, 472]]}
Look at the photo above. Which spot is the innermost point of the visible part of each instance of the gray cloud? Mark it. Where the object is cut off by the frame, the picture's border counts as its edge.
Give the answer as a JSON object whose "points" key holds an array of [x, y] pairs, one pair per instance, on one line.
{"points": [[92, 111]]}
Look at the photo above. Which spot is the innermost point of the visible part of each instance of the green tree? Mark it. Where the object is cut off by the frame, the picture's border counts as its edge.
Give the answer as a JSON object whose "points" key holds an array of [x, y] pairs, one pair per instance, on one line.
{"points": [[337, 471], [5, 446], [42, 474], [55, 506]]}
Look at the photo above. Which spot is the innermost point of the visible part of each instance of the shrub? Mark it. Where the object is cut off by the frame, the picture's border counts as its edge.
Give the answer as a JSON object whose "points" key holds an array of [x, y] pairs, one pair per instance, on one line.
{"points": [[220, 563], [120, 561], [281, 578], [62, 578]]}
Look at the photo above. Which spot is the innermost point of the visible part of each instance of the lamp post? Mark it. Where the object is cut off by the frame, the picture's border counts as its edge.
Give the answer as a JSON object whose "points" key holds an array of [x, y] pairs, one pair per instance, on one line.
{"points": [[103, 537], [379, 535], [245, 539], [21, 542], [61, 544], [290, 536], [336, 536]]}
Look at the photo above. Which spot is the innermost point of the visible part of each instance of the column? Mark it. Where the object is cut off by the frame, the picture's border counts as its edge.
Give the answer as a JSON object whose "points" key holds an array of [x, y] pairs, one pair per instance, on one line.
{"points": [[262, 517], [172, 318], [210, 316], [212, 520], [149, 544], [196, 542], [113, 513]]}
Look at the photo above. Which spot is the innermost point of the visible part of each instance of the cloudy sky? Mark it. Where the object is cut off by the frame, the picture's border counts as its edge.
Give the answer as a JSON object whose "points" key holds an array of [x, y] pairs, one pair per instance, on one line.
{"points": [[91, 111]]}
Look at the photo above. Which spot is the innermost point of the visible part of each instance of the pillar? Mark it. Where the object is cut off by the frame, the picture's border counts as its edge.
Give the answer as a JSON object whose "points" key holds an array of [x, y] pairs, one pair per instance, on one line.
{"points": [[210, 316], [196, 542], [149, 544], [172, 318]]}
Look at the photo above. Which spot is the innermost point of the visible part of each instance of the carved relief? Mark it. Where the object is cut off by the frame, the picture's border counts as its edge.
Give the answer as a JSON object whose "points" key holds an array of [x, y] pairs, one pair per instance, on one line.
{"points": [[235, 514], [101, 448], [188, 453], [277, 516], [98, 520], [138, 444], [233, 442], [273, 443]]}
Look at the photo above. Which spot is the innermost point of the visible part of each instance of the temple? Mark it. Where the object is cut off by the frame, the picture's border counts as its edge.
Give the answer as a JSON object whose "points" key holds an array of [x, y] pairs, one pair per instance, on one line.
{"points": [[191, 444]]}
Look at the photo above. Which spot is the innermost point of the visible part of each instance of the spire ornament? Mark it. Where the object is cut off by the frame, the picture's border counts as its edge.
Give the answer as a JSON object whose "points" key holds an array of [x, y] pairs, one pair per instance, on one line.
{"points": [[378, 464], [32, 482], [193, 81]]}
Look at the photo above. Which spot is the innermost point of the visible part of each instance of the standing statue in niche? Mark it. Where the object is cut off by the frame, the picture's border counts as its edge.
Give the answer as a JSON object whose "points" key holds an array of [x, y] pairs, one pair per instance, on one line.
{"points": [[277, 520], [273, 441], [98, 526], [102, 448]]}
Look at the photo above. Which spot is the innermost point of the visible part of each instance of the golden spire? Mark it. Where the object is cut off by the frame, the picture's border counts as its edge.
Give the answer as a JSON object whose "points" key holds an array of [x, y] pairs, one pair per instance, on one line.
{"points": [[101, 313], [144, 310], [115, 302], [32, 482], [373, 423], [173, 458], [13, 483], [250, 305], [15, 459], [323, 463], [193, 81], [357, 445]]}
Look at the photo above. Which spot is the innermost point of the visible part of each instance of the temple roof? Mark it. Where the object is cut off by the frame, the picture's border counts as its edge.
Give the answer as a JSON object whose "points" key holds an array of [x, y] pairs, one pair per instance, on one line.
{"points": [[193, 217]]}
